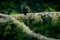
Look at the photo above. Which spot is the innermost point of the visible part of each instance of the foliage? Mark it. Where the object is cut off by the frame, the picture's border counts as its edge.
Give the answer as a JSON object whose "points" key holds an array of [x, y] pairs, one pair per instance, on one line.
{"points": [[35, 5], [49, 9], [11, 32], [47, 29]]}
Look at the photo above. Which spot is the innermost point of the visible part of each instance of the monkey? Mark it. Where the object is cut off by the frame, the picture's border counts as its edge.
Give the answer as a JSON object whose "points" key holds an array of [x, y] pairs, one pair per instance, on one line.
{"points": [[25, 9]]}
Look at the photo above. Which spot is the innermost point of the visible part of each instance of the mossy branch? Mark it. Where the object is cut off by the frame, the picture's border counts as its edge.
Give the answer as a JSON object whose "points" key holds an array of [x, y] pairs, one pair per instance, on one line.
{"points": [[7, 18]]}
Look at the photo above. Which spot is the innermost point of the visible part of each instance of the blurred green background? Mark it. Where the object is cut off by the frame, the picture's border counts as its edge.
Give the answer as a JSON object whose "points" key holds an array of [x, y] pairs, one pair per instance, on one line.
{"points": [[35, 5], [11, 32]]}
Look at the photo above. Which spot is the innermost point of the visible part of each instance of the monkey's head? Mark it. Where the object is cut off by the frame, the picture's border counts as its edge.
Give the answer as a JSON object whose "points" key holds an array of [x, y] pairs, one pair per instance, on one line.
{"points": [[25, 9]]}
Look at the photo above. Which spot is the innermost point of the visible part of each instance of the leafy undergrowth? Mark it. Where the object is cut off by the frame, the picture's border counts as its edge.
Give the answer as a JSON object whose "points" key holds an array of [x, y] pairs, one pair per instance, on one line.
{"points": [[11, 32], [48, 30]]}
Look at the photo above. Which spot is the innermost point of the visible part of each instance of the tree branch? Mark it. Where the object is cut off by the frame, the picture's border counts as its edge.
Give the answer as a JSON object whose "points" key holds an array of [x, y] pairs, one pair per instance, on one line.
{"points": [[22, 26]]}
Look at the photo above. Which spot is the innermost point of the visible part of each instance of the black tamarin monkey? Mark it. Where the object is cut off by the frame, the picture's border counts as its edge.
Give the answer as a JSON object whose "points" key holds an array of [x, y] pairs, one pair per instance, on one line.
{"points": [[25, 9]]}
